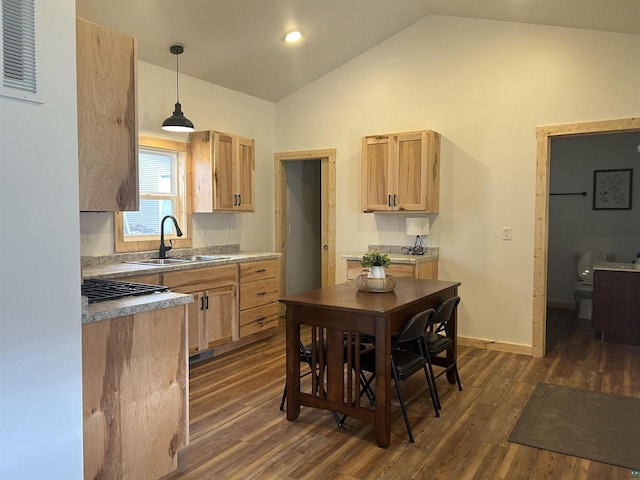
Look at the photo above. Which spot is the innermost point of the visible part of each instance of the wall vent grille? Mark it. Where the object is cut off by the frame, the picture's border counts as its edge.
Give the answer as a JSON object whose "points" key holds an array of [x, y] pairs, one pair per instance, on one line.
{"points": [[19, 49]]}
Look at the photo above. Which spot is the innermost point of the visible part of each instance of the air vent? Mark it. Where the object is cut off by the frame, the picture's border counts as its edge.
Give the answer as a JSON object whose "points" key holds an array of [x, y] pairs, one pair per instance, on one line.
{"points": [[19, 50]]}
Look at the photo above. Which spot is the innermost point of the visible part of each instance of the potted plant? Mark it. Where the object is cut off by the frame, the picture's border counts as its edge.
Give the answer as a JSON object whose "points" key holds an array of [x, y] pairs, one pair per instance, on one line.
{"points": [[376, 262]]}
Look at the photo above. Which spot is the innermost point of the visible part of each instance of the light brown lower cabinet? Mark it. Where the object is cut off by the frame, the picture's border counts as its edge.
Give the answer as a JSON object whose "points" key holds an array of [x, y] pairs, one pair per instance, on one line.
{"points": [[426, 270], [259, 292], [234, 304], [134, 394], [213, 316]]}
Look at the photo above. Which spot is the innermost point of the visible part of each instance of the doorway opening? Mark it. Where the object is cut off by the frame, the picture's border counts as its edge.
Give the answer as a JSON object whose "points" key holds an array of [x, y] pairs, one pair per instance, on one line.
{"points": [[327, 161], [541, 212]]}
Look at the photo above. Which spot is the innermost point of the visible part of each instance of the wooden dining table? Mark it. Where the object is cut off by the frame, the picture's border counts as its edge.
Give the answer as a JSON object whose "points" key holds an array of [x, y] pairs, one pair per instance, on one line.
{"points": [[339, 319]]}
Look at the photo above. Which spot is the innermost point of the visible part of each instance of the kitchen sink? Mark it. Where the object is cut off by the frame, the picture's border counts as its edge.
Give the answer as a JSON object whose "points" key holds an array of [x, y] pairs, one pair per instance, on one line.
{"points": [[178, 261], [160, 261], [205, 258]]}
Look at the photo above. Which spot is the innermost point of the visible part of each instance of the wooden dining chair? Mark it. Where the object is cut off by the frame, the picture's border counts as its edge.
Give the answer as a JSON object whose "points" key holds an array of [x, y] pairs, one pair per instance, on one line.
{"points": [[404, 362]]}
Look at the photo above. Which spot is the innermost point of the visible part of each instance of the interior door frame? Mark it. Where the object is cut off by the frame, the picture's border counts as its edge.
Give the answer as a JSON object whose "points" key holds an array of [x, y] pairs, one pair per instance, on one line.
{"points": [[541, 212], [327, 157]]}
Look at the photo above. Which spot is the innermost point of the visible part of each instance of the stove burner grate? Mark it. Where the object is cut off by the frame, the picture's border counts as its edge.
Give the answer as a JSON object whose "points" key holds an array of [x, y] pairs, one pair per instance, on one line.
{"points": [[98, 290]]}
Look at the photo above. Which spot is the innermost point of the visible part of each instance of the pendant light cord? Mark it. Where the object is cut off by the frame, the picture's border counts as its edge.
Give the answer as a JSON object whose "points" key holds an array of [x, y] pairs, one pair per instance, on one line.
{"points": [[177, 89]]}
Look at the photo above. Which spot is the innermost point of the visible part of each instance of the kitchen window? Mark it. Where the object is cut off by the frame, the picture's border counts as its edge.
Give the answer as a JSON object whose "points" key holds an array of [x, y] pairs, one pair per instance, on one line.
{"points": [[162, 179]]}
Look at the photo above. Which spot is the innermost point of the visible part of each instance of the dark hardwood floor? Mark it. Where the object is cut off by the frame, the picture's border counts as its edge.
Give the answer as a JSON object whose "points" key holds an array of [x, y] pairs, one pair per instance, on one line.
{"points": [[238, 431]]}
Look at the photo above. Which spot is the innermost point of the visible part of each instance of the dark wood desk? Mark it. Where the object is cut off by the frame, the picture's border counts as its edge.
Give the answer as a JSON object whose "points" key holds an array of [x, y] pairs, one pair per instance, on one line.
{"points": [[340, 313]]}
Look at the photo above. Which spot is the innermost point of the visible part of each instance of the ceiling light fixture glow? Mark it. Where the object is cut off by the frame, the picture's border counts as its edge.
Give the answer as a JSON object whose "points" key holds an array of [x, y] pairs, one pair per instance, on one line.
{"points": [[293, 37]]}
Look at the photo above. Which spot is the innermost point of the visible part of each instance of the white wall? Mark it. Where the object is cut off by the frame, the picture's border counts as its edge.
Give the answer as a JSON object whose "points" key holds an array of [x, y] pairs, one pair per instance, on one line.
{"points": [[573, 224], [209, 107], [485, 86], [40, 342]]}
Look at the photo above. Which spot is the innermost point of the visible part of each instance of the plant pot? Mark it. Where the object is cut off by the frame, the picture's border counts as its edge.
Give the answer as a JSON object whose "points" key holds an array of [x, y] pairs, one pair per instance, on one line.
{"points": [[376, 272]]}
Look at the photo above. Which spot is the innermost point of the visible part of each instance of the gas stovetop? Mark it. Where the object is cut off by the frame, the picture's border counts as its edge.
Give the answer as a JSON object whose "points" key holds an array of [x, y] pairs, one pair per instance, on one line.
{"points": [[97, 290]]}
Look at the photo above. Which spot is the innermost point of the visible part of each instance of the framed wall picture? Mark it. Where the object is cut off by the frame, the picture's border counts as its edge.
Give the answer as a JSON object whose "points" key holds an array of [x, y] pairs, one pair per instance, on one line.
{"points": [[612, 189]]}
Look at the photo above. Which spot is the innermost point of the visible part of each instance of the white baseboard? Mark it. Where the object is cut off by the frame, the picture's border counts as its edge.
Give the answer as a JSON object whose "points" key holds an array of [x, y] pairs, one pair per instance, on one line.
{"points": [[497, 346]]}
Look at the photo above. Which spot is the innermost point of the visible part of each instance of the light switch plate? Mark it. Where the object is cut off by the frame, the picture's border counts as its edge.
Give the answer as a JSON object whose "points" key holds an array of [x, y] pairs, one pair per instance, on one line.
{"points": [[506, 233]]}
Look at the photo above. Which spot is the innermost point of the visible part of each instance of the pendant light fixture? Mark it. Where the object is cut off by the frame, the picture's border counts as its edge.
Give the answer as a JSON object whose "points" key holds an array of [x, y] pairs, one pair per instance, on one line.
{"points": [[177, 122]]}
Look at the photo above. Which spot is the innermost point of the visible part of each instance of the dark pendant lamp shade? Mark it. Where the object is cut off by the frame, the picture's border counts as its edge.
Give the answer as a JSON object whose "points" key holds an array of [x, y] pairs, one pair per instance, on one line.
{"points": [[177, 122]]}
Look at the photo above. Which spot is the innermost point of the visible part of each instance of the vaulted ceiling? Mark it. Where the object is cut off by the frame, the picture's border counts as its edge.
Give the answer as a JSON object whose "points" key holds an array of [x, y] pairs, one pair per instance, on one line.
{"points": [[239, 44]]}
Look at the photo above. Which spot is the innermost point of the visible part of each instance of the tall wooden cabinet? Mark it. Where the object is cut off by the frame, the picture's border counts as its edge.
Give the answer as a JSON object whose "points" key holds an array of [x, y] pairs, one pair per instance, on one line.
{"points": [[223, 172], [107, 118], [213, 316], [401, 172]]}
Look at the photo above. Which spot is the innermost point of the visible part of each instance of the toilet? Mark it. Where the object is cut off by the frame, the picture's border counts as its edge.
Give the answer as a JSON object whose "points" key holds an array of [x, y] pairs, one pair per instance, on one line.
{"points": [[584, 287]]}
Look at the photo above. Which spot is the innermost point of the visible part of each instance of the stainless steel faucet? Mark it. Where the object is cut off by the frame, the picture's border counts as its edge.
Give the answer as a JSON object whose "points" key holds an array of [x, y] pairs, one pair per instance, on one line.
{"points": [[163, 248]]}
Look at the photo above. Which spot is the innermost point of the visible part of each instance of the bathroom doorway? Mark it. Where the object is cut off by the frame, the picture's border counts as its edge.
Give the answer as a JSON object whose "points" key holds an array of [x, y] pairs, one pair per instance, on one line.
{"points": [[541, 212]]}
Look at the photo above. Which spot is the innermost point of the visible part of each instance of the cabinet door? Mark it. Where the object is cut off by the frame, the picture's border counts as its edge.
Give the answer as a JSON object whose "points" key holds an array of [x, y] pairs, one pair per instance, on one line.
{"points": [[195, 335], [201, 158], [411, 167], [220, 321], [417, 157], [377, 174], [107, 119], [223, 175], [245, 174]]}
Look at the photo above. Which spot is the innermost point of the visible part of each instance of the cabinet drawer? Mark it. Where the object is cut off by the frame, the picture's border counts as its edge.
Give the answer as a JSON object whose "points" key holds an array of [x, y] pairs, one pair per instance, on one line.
{"points": [[201, 278], [399, 270], [258, 319], [258, 293], [396, 269], [252, 271]]}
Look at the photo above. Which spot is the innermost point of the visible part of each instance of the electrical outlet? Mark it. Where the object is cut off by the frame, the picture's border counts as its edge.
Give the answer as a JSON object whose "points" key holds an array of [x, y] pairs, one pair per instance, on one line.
{"points": [[229, 231], [506, 233], [290, 229], [86, 236]]}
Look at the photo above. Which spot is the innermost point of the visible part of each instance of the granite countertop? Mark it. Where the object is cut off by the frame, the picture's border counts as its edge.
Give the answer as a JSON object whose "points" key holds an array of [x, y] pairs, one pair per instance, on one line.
{"points": [[113, 266], [396, 256], [618, 267], [93, 312]]}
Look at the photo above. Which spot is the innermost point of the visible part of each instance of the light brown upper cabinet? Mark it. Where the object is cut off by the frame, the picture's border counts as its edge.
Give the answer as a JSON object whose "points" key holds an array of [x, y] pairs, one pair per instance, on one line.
{"points": [[223, 172], [107, 119], [401, 172]]}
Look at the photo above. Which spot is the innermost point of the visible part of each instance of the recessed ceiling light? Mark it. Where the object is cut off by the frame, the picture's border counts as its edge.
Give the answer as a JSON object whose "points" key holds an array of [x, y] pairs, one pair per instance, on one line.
{"points": [[293, 37]]}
